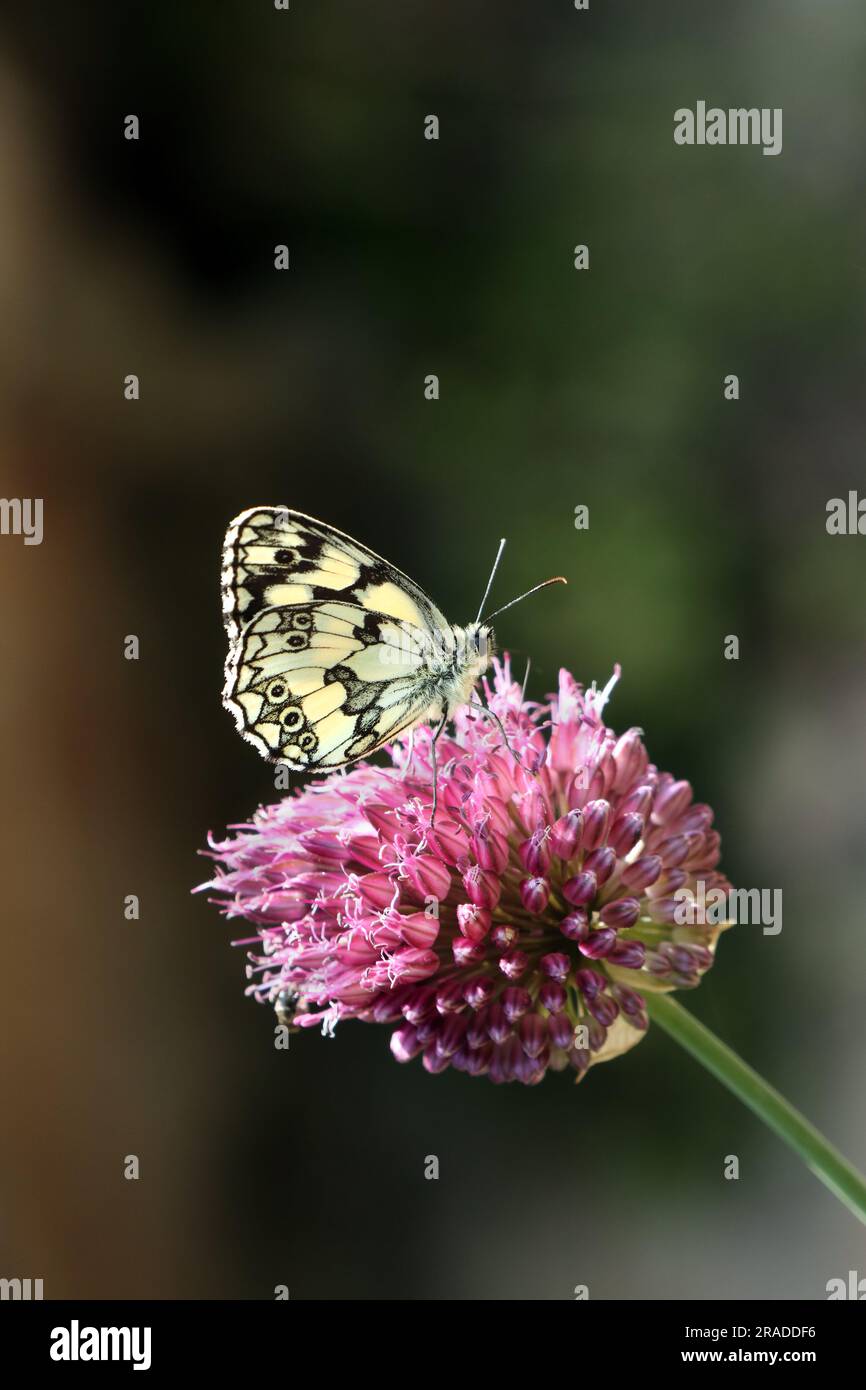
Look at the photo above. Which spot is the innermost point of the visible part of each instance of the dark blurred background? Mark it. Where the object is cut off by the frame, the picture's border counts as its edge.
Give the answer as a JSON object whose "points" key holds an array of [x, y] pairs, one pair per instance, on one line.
{"points": [[707, 518]]}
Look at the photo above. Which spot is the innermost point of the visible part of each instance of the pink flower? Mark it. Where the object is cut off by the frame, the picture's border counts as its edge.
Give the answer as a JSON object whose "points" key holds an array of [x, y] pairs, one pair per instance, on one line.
{"points": [[516, 934]]}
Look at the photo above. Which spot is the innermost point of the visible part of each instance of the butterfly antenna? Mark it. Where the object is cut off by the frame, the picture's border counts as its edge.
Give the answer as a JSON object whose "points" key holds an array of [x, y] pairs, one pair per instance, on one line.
{"points": [[525, 679], [558, 579], [490, 580]]}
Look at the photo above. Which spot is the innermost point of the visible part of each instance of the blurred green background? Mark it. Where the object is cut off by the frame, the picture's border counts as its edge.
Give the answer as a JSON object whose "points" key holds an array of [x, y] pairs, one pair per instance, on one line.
{"points": [[707, 518]]}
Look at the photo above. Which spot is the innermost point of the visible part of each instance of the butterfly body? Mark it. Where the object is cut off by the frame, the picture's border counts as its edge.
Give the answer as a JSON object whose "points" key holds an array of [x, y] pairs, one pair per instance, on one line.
{"points": [[332, 651], [459, 672]]}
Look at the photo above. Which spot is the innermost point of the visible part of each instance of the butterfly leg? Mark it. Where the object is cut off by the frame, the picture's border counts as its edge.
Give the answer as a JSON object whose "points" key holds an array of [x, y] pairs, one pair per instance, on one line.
{"points": [[410, 754], [439, 727], [482, 709]]}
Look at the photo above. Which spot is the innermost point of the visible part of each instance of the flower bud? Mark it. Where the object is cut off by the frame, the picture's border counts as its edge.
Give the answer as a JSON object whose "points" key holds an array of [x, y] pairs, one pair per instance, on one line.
{"points": [[505, 1058], [576, 925], [498, 1025], [466, 952], [687, 959], [389, 1007], [556, 964], [534, 894], [405, 1044], [446, 839], [674, 851], [428, 876], [598, 943], [478, 1060], [515, 1002], [581, 889], [566, 833], [450, 997], [589, 982], [625, 833], [477, 1034], [382, 819], [622, 913], [416, 929], [604, 1009], [413, 965], [421, 1004], [473, 921], [433, 1061], [534, 853], [451, 1035], [482, 888], [561, 1030], [490, 849], [630, 955], [376, 889], [671, 800], [630, 758], [642, 873], [553, 997], [532, 1032], [629, 1000], [664, 910], [639, 802], [601, 862], [478, 992], [596, 819], [513, 964], [668, 883]]}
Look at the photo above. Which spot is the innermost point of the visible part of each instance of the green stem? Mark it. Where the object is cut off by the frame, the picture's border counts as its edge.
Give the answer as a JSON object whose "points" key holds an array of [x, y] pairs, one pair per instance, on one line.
{"points": [[826, 1163]]}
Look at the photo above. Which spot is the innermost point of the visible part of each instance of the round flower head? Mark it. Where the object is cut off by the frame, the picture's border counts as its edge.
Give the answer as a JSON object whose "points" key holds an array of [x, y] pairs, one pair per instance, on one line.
{"points": [[517, 932]]}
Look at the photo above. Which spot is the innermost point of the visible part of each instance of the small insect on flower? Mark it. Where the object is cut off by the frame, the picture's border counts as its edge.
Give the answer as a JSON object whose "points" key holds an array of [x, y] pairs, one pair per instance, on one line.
{"points": [[332, 651], [518, 933]]}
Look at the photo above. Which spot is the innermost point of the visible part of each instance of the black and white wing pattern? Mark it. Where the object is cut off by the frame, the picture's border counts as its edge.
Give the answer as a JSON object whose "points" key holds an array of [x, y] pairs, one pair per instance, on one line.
{"points": [[331, 649]]}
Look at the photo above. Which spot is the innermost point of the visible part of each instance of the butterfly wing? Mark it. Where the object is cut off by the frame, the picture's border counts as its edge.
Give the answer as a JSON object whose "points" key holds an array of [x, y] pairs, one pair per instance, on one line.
{"points": [[275, 556], [329, 645], [317, 685]]}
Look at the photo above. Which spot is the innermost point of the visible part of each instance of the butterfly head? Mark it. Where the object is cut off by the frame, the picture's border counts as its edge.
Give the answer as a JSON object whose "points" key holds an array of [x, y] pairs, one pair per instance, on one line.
{"points": [[473, 647], [479, 641]]}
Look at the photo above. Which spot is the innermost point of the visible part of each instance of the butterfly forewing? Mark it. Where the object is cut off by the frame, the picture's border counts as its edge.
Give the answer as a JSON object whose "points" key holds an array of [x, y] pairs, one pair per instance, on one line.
{"points": [[275, 556]]}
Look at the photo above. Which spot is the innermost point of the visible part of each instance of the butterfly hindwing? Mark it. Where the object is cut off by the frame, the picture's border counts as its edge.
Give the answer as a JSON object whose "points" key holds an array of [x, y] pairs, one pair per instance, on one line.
{"points": [[321, 683]]}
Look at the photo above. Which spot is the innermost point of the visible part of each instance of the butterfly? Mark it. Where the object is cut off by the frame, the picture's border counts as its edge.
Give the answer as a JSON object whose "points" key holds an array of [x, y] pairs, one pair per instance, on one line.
{"points": [[333, 651]]}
